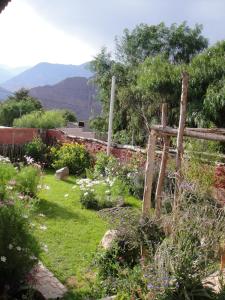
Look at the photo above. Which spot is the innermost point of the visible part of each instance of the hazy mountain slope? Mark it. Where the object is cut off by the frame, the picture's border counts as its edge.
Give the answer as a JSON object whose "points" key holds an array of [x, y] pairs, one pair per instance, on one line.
{"points": [[73, 93], [45, 74], [7, 73], [4, 94]]}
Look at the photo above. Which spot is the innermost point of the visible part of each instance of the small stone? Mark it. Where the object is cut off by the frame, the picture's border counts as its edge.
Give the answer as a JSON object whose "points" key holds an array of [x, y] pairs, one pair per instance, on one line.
{"points": [[62, 173]]}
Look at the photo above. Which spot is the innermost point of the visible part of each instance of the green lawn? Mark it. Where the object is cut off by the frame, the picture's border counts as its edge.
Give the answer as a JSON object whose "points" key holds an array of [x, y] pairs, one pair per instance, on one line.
{"points": [[69, 234]]}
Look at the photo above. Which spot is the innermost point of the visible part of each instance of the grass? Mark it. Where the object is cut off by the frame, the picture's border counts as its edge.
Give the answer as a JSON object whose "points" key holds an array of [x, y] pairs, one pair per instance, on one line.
{"points": [[69, 234]]}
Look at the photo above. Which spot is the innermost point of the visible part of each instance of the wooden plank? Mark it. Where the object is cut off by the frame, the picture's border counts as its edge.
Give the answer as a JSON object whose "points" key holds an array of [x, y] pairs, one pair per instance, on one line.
{"points": [[189, 133], [149, 174], [162, 171], [180, 137]]}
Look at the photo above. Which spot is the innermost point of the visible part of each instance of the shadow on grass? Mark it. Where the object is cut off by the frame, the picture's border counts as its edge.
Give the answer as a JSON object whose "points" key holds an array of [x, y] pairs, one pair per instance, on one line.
{"points": [[53, 210]]}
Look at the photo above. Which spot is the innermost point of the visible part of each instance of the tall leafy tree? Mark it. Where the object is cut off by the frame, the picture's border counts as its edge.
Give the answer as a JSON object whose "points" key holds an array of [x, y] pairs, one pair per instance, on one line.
{"points": [[147, 68], [16, 106]]}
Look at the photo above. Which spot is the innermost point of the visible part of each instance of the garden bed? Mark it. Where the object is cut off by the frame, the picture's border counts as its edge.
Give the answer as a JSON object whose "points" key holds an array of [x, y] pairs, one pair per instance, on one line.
{"points": [[69, 234]]}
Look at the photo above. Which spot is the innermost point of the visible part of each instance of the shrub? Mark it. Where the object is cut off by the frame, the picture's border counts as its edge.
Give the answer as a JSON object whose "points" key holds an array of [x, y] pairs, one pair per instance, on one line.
{"points": [[38, 119], [88, 200], [19, 250], [105, 165], [36, 149], [132, 231], [73, 156], [7, 172], [27, 180]]}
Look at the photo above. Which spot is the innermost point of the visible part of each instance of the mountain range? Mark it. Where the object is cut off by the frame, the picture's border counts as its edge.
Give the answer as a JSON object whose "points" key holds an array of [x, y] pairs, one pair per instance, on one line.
{"points": [[57, 86], [76, 94], [4, 94], [7, 73], [45, 74]]}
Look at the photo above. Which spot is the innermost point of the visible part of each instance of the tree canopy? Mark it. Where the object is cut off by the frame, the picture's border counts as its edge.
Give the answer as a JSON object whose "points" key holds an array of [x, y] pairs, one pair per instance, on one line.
{"points": [[148, 65], [16, 106]]}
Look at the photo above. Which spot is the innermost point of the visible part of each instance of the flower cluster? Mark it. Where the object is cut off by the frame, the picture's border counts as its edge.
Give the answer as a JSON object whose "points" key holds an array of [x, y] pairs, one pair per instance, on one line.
{"points": [[4, 159]]}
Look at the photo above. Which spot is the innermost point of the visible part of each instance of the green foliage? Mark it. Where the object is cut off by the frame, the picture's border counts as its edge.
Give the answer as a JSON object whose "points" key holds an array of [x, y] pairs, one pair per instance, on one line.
{"points": [[7, 172], [69, 115], [206, 87], [19, 250], [179, 43], [27, 180], [197, 232], [104, 164], [148, 72], [73, 156], [36, 149], [45, 120], [16, 106], [88, 200]]}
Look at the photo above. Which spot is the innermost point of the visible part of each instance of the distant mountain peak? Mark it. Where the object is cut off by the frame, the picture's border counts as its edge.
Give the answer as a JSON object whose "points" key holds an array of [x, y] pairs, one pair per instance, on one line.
{"points": [[74, 93], [45, 73]]}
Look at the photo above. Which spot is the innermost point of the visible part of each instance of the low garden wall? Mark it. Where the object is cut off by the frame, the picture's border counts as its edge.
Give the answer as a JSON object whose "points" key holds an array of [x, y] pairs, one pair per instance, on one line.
{"points": [[17, 136], [124, 153]]}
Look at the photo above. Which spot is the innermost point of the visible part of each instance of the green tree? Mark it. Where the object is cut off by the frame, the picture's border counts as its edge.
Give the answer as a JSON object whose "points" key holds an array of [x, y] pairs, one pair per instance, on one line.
{"points": [[69, 115], [179, 43], [16, 106], [148, 63]]}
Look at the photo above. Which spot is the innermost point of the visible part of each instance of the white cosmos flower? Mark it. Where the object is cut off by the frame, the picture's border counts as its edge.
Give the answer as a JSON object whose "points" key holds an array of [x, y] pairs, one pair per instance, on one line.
{"points": [[3, 258], [18, 248], [43, 227], [10, 246]]}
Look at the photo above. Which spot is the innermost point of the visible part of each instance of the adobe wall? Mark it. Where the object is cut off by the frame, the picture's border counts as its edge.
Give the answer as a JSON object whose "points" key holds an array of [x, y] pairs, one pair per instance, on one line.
{"points": [[17, 136], [93, 146]]}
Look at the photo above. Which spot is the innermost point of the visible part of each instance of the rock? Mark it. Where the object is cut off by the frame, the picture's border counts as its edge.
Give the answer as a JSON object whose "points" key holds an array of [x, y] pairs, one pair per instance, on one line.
{"points": [[62, 174], [108, 239]]}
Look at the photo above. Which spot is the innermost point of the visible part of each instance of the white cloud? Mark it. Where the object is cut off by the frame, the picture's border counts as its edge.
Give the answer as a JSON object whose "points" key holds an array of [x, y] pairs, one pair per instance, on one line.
{"points": [[72, 31], [27, 39]]}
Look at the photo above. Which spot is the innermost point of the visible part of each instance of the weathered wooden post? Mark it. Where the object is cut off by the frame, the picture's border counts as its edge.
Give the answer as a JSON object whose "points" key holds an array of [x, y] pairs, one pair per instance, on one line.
{"points": [[180, 149], [149, 173], [164, 160], [112, 98]]}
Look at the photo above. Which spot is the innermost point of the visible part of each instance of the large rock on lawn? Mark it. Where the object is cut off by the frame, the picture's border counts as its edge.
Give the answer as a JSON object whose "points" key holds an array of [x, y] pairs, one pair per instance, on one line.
{"points": [[62, 174]]}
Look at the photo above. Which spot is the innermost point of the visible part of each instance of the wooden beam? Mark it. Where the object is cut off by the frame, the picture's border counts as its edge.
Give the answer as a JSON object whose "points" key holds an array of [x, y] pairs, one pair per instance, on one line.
{"points": [[162, 171], [189, 133], [180, 137], [149, 174]]}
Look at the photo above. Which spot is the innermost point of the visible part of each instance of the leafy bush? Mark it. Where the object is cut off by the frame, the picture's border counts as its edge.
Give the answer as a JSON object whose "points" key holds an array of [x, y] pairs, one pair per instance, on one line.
{"points": [[105, 165], [38, 119], [190, 251], [36, 149], [7, 172], [73, 156], [131, 173], [88, 200], [99, 194], [27, 180], [19, 250], [132, 231]]}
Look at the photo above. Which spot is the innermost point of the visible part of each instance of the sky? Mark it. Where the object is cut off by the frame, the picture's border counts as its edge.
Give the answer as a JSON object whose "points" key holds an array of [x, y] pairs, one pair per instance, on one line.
{"points": [[73, 31]]}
